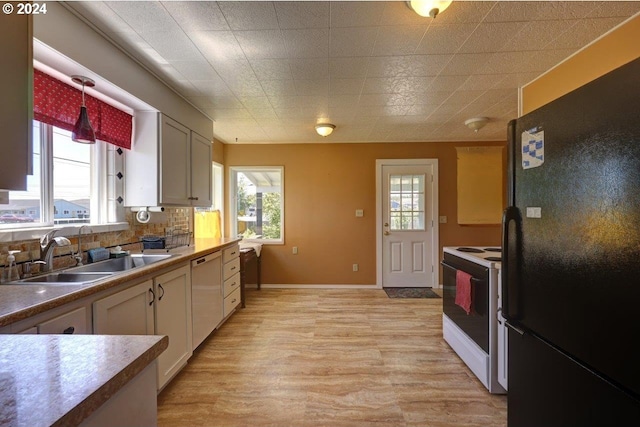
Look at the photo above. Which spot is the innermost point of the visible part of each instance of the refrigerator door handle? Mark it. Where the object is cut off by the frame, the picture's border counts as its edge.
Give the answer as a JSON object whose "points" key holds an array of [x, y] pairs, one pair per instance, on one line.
{"points": [[511, 240]]}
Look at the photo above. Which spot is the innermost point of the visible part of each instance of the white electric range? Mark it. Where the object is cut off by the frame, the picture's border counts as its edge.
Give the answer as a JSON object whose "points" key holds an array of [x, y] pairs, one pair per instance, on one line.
{"points": [[475, 336]]}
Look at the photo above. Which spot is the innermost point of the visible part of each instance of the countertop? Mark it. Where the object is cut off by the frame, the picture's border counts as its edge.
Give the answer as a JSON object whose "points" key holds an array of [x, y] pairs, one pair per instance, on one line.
{"points": [[59, 380], [18, 302]]}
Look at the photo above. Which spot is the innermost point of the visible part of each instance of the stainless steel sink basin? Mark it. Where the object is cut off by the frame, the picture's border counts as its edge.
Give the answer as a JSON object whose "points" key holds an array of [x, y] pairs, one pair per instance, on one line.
{"points": [[93, 272], [64, 278], [115, 265]]}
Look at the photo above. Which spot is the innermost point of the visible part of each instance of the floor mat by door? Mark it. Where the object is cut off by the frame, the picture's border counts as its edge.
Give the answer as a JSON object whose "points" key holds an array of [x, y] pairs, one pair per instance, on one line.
{"points": [[410, 293]]}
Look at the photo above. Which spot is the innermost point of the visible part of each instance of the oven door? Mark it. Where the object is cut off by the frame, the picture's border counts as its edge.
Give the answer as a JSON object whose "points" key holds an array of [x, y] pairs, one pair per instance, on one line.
{"points": [[476, 324]]}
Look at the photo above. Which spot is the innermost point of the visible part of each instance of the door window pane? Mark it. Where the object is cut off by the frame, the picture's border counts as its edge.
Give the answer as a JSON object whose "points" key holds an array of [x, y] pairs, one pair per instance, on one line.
{"points": [[406, 202]]}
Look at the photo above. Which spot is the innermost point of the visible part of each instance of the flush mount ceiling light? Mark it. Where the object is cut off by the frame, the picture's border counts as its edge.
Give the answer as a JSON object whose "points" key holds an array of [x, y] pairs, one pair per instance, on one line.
{"points": [[476, 123], [429, 8], [82, 131], [325, 129]]}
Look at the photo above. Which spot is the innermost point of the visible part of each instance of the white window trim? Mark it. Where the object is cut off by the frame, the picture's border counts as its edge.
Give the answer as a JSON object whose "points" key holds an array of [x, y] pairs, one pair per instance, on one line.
{"points": [[99, 185], [233, 202]]}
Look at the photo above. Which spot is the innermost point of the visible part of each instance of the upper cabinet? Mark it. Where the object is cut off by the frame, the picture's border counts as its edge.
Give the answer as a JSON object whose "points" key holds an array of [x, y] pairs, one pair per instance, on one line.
{"points": [[16, 107], [169, 164]]}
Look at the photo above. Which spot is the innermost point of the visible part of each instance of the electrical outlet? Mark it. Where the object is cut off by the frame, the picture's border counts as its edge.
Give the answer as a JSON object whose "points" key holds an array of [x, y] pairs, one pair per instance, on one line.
{"points": [[355, 267], [359, 213], [443, 219]]}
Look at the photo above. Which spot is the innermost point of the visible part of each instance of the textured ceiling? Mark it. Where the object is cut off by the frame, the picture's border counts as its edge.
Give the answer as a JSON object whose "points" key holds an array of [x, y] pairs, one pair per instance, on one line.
{"points": [[267, 72]]}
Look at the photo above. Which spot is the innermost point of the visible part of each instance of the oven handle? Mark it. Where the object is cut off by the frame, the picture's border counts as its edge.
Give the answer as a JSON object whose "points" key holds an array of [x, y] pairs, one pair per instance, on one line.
{"points": [[473, 279]]}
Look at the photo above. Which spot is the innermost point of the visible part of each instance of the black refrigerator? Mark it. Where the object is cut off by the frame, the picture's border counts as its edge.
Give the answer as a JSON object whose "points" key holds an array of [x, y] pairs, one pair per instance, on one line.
{"points": [[571, 258]]}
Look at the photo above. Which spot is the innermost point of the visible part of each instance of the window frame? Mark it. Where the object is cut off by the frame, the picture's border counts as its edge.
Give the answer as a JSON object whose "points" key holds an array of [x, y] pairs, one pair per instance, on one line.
{"points": [[233, 201], [99, 200]]}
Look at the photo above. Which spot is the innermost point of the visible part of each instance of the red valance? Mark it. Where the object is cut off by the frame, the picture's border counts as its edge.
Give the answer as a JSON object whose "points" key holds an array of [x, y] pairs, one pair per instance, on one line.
{"points": [[58, 104]]}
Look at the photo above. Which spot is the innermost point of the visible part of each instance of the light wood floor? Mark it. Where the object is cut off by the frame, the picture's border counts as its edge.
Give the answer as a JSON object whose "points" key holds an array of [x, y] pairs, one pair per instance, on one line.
{"points": [[329, 358]]}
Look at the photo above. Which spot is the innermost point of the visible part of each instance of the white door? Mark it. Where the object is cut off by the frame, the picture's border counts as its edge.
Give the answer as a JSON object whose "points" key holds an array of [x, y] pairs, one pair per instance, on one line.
{"points": [[408, 233]]}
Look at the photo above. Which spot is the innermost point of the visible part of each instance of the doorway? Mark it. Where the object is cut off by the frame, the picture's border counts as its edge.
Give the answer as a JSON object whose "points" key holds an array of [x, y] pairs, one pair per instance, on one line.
{"points": [[407, 229]]}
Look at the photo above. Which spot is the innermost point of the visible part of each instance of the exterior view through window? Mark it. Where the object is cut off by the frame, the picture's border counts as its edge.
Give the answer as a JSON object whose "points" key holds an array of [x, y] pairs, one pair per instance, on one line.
{"points": [[63, 185], [258, 207]]}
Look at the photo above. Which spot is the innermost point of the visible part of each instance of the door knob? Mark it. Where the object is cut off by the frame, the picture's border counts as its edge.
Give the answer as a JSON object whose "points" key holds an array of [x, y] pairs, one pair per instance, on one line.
{"points": [[386, 224], [386, 233]]}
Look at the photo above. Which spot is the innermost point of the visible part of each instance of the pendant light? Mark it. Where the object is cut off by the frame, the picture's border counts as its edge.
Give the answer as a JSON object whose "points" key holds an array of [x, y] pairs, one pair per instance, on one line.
{"points": [[82, 131]]}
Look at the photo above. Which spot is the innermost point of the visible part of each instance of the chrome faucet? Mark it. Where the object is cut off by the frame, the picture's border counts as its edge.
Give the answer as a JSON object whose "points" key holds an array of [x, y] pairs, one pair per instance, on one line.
{"points": [[47, 244], [78, 256]]}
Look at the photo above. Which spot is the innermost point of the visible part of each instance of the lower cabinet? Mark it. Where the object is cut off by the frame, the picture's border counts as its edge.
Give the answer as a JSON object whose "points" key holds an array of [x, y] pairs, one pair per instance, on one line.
{"points": [[161, 306], [73, 322], [173, 318]]}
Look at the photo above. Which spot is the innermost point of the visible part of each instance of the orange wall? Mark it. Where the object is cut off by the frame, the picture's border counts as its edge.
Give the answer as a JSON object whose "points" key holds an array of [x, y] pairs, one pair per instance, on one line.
{"points": [[608, 53], [324, 185]]}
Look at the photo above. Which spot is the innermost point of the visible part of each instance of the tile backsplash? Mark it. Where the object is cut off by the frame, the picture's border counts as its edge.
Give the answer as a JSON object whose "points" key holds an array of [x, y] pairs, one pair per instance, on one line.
{"points": [[170, 219]]}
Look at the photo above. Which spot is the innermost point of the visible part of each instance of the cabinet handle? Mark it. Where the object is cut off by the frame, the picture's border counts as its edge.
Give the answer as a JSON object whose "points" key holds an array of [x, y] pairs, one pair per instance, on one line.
{"points": [[233, 300], [162, 289], [233, 268], [70, 330], [153, 296], [200, 261], [192, 198], [233, 253]]}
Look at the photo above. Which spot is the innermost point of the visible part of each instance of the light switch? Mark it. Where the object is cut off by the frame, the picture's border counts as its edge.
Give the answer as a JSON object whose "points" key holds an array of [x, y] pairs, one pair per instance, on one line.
{"points": [[359, 213]]}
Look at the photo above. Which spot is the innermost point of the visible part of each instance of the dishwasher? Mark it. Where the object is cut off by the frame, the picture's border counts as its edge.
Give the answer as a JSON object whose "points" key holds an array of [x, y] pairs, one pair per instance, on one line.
{"points": [[206, 295]]}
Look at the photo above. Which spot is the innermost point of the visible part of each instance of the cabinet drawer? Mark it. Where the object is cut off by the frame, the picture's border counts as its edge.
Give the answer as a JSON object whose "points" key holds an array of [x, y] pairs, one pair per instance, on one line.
{"points": [[231, 302], [231, 284], [230, 253], [231, 268], [74, 322]]}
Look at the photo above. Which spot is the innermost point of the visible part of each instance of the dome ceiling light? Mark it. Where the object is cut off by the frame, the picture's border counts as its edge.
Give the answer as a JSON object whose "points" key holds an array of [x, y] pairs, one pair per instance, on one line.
{"points": [[476, 123], [428, 8], [325, 129]]}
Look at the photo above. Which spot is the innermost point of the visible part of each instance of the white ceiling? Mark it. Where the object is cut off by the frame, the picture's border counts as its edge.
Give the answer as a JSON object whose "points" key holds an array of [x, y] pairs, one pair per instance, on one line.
{"points": [[267, 72]]}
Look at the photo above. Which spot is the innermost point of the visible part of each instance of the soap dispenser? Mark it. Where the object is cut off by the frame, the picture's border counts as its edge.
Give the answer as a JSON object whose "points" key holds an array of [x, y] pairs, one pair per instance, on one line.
{"points": [[10, 272]]}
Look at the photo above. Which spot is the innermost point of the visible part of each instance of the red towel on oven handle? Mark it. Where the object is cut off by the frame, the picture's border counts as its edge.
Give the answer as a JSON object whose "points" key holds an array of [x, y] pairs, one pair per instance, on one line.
{"points": [[463, 290]]}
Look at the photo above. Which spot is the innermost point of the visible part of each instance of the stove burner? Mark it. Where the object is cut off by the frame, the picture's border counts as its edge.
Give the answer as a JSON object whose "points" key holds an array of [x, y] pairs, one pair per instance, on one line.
{"points": [[493, 249], [493, 258], [474, 250]]}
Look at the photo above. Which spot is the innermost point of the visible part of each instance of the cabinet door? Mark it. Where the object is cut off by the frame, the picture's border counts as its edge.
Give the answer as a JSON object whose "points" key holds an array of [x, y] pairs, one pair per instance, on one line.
{"points": [[201, 164], [173, 318], [129, 312], [16, 108], [175, 163], [74, 322]]}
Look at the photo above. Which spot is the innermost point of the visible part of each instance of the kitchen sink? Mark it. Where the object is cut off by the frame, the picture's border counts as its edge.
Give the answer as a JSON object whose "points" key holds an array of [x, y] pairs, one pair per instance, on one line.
{"points": [[115, 265], [63, 278], [93, 272]]}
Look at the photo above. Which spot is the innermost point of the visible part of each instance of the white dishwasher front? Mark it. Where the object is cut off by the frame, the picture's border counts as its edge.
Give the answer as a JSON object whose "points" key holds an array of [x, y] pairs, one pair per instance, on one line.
{"points": [[206, 295]]}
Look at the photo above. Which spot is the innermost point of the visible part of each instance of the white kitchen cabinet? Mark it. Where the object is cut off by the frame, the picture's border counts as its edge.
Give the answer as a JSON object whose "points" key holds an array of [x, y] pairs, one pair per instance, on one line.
{"points": [[173, 318], [231, 279], [503, 347], [16, 108], [161, 306], [128, 312], [169, 164], [73, 322]]}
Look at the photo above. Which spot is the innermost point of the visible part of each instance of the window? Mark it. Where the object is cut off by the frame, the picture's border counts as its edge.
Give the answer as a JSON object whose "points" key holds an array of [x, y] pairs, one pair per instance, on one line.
{"points": [[257, 203], [407, 202], [65, 185]]}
